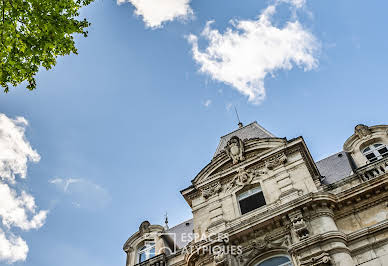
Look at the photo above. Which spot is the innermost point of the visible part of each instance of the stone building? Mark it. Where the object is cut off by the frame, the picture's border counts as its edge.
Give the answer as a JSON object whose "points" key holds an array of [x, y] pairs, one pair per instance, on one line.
{"points": [[263, 201]]}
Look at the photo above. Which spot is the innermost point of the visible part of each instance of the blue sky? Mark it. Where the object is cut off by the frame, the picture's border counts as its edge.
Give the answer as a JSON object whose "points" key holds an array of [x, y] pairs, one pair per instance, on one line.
{"points": [[122, 127]]}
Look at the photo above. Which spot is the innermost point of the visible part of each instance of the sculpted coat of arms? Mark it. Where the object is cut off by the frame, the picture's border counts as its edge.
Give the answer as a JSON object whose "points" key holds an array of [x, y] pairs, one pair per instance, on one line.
{"points": [[362, 131], [235, 149]]}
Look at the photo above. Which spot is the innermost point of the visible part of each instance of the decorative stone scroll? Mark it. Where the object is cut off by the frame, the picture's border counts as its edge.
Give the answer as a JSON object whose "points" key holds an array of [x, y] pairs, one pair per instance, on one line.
{"points": [[211, 190], [320, 260], [362, 131], [235, 150], [276, 161]]}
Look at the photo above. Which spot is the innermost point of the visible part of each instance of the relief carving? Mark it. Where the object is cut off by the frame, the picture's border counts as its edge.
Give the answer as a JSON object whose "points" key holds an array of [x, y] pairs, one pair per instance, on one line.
{"points": [[243, 177], [144, 227], [276, 161], [235, 149], [362, 131], [299, 225], [258, 246], [320, 260], [211, 190]]}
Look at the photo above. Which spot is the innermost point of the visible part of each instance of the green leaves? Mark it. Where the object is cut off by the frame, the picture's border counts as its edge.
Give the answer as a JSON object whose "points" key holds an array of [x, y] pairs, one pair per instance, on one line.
{"points": [[34, 33]]}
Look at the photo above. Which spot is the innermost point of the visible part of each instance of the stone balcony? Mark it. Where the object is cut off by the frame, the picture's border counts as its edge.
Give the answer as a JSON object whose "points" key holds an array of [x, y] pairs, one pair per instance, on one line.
{"points": [[159, 260], [373, 170]]}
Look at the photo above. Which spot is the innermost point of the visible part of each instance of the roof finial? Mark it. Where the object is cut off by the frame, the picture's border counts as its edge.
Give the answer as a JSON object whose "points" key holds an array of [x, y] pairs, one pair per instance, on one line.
{"points": [[166, 221], [240, 125]]}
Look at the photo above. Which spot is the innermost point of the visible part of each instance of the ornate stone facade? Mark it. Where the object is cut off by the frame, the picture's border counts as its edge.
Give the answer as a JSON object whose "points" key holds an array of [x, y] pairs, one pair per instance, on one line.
{"points": [[331, 212]]}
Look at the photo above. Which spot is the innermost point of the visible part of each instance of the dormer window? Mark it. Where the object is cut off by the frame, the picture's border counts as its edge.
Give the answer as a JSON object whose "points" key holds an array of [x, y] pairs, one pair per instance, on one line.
{"points": [[251, 200], [146, 252], [375, 152]]}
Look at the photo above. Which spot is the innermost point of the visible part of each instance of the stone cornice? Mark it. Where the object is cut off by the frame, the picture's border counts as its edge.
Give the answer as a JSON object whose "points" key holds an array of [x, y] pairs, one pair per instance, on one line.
{"points": [[319, 239], [366, 233], [272, 211]]}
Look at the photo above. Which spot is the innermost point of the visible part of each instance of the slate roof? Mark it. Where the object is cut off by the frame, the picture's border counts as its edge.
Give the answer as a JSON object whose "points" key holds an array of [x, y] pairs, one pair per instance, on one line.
{"points": [[182, 231], [335, 167], [250, 131]]}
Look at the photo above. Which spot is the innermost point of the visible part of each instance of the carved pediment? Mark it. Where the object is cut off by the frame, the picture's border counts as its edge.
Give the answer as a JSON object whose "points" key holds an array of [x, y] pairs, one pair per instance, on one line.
{"points": [[239, 153]]}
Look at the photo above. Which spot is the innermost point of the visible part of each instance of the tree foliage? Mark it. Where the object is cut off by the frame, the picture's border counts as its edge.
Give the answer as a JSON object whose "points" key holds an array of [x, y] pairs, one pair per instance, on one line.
{"points": [[33, 34]]}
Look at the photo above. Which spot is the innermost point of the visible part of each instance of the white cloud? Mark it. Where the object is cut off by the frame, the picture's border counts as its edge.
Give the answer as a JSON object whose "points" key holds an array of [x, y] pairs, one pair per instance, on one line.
{"points": [[246, 53], [82, 193], [156, 12], [12, 248], [16, 209], [207, 103], [15, 150]]}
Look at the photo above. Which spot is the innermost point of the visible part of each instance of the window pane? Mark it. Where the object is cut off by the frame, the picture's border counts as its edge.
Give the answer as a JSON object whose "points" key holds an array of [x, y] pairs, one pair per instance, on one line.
{"points": [[248, 193], [367, 149], [383, 151], [371, 156], [152, 253], [276, 261], [251, 203], [142, 257], [378, 145]]}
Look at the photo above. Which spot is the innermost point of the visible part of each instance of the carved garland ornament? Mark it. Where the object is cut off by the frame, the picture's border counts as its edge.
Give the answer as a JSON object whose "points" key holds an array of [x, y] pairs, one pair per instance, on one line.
{"points": [[235, 149], [243, 178]]}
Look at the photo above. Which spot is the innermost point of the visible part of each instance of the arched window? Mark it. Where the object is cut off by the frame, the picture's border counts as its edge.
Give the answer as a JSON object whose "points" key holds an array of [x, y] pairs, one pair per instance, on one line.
{"points": [[276, 261], [375, 152], [251, 199], [146, 252]]}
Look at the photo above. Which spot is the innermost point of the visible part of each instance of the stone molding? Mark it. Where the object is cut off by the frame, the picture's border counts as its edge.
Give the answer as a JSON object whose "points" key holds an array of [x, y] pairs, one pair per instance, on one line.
{"points": [[321, 259], [332, 236], [275, 210]]}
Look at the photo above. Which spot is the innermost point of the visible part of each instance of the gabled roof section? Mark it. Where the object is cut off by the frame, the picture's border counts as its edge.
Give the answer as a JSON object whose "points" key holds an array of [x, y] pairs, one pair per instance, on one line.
{"points": [[335, 167], [250, 131], [183, 233]]}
